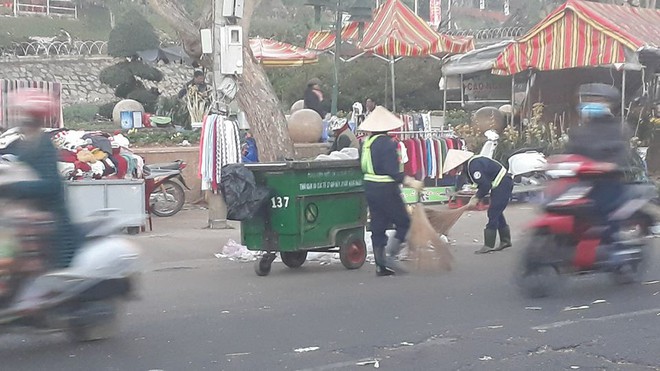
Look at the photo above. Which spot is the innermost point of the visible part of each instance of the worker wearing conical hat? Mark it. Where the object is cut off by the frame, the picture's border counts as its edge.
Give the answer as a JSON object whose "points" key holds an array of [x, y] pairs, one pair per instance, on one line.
{"points": [[490, 177], [383, 175]]}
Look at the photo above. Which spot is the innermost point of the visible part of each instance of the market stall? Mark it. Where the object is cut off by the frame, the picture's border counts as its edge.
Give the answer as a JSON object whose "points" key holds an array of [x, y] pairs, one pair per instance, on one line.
{"points": [[581, 35]]}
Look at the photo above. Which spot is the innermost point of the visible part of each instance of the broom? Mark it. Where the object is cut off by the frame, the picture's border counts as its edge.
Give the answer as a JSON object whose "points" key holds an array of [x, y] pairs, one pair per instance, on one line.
{"points": [[443, 220], [424, 243]]}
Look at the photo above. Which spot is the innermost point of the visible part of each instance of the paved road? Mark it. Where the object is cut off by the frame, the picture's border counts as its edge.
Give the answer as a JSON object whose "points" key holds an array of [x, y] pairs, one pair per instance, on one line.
{"points": [[203, 313]]}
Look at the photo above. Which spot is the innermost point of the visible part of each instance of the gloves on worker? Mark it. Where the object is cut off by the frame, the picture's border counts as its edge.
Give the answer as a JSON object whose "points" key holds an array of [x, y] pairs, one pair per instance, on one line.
{"points": [[413, 183], [474, 201]]}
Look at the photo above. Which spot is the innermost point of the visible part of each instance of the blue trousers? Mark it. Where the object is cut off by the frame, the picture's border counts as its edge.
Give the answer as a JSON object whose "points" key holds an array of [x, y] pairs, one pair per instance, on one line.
{"points": [[386, 207], [499, 199]]}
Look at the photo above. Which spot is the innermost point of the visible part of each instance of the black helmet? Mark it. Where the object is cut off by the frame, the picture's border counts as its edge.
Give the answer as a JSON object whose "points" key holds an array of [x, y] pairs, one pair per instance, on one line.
{"points": [[608, 92]]}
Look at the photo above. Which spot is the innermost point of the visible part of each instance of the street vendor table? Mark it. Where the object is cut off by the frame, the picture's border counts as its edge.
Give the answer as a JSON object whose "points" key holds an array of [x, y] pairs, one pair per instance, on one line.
{"points": [[314, 206], [127, 197]]}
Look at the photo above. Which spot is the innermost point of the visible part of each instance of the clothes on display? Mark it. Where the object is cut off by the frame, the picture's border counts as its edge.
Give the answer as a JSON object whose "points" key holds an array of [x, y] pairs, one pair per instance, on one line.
{"points": [[7, 87], [219, 145], [426, 153], [95, 155]]}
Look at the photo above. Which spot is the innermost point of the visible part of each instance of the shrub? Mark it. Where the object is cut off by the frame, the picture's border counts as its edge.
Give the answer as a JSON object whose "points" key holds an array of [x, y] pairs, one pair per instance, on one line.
{"points": [[105, 110], [78, 113]]}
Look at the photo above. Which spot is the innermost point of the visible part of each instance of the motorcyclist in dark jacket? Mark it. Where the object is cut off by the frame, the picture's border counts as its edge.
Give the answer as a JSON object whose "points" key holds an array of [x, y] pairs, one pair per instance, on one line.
{"points": [[37, 151], [602, 137]]}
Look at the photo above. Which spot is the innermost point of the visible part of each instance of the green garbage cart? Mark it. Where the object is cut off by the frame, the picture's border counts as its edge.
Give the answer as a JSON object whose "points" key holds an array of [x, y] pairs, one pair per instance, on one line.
{"points": [[314, 206]]}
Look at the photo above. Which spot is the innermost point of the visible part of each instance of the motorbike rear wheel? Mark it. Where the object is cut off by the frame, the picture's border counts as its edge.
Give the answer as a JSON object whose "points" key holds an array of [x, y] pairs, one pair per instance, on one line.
{"points": [[168, 199], [537, 274]]}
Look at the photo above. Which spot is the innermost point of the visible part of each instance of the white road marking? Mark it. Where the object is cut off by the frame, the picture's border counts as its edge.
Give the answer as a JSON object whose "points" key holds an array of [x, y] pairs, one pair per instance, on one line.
{"points": [[597, 319]]}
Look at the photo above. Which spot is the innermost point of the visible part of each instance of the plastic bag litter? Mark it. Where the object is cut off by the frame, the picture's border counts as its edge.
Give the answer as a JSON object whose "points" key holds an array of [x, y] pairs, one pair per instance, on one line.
{"points": [[344, 154], [237, 252]]}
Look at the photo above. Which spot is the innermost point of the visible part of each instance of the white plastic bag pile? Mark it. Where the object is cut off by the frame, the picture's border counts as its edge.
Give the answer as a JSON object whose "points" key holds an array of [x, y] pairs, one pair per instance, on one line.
{"points": [[234, 251], [344, 154]]}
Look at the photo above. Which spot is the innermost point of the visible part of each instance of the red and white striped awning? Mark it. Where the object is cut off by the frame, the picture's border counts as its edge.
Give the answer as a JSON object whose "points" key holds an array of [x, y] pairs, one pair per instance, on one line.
{"points": [[273, 53]]}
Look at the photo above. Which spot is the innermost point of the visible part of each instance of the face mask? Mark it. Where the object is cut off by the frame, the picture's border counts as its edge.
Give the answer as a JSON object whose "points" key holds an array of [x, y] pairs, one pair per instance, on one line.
{"points": [[594, 110]]}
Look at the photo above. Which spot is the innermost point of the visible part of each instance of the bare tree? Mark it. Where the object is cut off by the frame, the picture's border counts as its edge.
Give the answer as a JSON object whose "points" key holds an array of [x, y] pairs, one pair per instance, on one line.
{"points": [[255, 96]]}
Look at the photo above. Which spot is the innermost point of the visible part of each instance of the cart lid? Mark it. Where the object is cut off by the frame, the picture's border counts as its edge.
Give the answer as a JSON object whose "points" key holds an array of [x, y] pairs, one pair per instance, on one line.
{"points": [[303, 165]]}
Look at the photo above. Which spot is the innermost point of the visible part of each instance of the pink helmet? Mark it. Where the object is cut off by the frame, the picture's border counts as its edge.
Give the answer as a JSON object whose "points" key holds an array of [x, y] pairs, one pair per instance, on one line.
{"points": [[34, 103]]}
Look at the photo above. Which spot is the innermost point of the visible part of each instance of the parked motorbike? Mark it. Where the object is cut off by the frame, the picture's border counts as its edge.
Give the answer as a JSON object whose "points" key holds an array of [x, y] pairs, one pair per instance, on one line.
{"points": [[164, 187], [526, 165], [568, 237]]}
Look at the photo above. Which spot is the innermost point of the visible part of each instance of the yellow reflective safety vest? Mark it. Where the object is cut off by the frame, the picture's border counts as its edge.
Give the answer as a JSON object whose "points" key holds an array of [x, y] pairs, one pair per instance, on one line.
{"points": [[368, 166], [498, 178]]}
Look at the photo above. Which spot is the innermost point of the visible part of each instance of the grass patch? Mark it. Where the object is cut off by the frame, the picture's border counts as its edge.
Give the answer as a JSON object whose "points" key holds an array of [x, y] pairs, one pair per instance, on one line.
{"points": [[80, 113], [92, 24]]}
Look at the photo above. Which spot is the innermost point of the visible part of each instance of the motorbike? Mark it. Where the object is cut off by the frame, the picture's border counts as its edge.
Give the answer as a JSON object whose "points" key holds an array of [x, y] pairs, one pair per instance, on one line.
{"points": [[568, 237], [526, 165], [164, 187]]}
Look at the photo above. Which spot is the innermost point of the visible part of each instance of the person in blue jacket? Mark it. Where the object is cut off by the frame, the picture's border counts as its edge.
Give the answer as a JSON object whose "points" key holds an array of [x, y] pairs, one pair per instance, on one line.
{"points": [[250, 151], [383, 176], [492, 178]]}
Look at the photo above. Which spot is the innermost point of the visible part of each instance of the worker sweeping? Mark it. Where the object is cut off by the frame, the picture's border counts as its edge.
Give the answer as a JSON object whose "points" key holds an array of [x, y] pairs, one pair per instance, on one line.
{"points": [[490, 177], [383, 175]]}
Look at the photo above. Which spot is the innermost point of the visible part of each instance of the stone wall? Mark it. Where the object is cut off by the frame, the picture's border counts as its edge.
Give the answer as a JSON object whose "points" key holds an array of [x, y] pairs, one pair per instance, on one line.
{"points": [[80, 76]]}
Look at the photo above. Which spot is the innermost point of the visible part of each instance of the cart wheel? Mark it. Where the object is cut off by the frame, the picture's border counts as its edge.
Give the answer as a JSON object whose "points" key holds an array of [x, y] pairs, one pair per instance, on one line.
{"points": [[293, 259], [353, 253], [262, 266]]}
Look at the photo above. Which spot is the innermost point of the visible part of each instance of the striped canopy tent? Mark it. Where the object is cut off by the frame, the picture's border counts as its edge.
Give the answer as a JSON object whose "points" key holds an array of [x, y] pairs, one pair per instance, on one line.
{"points": [[273, 53], [324, 41], [584, 34], [397, 31]]}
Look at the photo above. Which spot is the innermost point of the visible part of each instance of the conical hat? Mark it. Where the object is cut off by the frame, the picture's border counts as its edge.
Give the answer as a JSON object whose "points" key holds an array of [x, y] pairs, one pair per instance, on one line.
{"points": [[381, 120], [455, 158]]}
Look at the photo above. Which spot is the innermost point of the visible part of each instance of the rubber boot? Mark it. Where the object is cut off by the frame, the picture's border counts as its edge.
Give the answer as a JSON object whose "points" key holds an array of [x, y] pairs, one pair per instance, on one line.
{"points": [[505, 238], [490, 235], [393, 248], [381, 263]]}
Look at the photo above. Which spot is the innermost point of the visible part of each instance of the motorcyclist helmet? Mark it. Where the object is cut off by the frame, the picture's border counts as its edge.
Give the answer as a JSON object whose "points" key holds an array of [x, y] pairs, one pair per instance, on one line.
{"points": [[598, 100], [34, 105]]}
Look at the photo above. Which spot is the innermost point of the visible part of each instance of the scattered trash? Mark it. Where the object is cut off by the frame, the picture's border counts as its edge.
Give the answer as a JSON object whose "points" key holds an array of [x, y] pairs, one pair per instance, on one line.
{"points": [[368, 363], [542, 331], [567, 309], [475, 240], [495, 327], [305, 350], [533, 308], [407, 344], [650, 282], [236, 252], [656, 293], [599, 301], [575, 367], [225, 312], [486, 358], [236, 354], [185, 143]]}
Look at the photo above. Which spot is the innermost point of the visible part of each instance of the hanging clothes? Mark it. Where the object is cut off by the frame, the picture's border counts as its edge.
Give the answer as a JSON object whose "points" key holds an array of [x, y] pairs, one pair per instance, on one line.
{"points": [[219, 146]]}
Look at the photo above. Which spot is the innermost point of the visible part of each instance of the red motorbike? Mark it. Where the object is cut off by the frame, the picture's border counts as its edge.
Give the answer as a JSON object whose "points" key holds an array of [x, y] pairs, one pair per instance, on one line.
{"points": [[164, 185], [568, 237]]}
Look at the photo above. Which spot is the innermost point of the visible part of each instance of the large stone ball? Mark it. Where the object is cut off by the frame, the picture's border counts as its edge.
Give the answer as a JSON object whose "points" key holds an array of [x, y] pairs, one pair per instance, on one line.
{"points": [[305, 126], [488, 118], [297, 106], [125, 105]]}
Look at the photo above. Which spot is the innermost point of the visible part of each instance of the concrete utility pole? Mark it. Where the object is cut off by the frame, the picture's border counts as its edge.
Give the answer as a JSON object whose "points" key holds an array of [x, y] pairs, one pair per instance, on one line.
{"points": [[216, 201]]}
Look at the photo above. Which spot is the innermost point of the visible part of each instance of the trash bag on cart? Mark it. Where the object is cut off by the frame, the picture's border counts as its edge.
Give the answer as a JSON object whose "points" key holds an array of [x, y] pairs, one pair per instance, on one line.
{"points": [[242, 195]]}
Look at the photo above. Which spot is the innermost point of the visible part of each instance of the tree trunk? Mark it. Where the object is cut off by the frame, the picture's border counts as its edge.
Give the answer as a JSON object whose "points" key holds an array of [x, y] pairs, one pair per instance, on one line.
{"points": [[255, 95]]}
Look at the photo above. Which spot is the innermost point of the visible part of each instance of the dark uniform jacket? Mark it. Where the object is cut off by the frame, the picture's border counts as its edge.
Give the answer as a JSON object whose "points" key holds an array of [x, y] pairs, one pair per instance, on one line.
{"points": [[385, 159], [482, 171], [313, 102]]}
